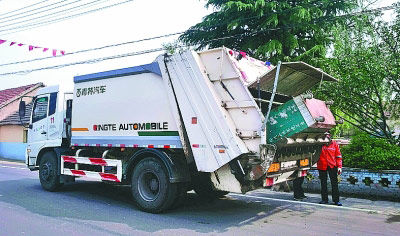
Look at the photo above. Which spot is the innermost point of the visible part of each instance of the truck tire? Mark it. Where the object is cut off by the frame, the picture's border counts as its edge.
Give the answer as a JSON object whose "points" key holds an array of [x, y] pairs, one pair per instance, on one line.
{"points": [[48, 172], [150, 186]]}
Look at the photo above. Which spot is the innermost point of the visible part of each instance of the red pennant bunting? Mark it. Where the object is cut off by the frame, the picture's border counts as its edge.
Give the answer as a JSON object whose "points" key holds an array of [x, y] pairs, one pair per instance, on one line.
{"points": [[31, 47]]}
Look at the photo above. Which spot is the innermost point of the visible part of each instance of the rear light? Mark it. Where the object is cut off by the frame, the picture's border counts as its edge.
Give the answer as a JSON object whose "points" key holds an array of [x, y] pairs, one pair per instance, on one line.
{"points": [[303, 173], [304, 162], [274, 167], [269, 182]]}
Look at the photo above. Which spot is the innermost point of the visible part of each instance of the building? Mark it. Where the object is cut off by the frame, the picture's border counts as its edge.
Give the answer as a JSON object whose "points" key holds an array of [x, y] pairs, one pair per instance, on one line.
{"points": [[13, 134]]}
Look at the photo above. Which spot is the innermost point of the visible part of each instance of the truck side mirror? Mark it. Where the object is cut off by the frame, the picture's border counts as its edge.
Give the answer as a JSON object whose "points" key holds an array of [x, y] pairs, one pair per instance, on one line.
{"points": [[22, 108]]}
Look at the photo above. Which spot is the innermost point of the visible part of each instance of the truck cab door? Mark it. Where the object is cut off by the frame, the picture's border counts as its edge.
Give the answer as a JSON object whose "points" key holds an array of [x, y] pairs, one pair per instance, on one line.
{"points": [[38, 128]]}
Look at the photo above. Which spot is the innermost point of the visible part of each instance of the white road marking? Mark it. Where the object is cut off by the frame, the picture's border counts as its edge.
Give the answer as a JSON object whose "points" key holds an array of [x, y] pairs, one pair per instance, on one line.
{"points": [[307, 203], [13, 167], [12, 163]]}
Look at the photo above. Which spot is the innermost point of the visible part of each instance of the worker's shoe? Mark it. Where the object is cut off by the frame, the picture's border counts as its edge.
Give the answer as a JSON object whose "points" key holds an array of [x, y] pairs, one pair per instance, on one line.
{"points": [[323, 202], [300, 198], [338, 204]]}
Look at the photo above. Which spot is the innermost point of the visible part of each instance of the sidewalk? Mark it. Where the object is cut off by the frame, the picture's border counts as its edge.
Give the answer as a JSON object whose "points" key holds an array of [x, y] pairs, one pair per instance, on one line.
{"points": [[11, 160]]}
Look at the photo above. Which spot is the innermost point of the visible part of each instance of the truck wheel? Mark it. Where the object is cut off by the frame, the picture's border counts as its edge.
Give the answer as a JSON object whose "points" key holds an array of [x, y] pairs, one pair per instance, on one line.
{"points": [[48, 172], [151, 188]]}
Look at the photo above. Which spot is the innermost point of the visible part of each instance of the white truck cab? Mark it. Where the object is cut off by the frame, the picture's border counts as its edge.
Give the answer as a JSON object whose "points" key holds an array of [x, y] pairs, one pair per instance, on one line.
{"points": [[47, 124]]}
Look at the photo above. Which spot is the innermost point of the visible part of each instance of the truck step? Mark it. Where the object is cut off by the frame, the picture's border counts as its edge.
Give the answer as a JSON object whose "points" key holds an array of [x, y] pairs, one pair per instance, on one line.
{"points": [[96, 168]]}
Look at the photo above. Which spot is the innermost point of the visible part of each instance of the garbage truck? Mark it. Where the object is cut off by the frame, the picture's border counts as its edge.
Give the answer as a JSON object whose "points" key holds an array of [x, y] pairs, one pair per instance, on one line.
{"points": [[215, 121]]}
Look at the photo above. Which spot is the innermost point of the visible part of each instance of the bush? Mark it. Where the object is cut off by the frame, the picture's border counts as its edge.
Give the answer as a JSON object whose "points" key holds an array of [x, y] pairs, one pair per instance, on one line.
{"points": [[371, 153]]}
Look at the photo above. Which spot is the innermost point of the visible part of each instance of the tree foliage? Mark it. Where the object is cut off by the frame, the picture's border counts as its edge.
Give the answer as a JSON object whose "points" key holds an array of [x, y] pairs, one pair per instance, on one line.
{"points": [[371, 153], [366, 59], [270, 29]]}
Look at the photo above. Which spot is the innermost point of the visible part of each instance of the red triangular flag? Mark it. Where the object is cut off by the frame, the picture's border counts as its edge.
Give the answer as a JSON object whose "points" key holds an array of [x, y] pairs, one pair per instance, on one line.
{"points": [[2, 41], [54, 52], [20, 44], [12, 43], [45, 49], [32, 47]]}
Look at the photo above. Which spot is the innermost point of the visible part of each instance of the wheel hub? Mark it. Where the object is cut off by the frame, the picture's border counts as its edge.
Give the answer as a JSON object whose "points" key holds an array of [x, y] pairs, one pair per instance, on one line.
{"points": [[149, 186], [154, 185], [46, 171]]}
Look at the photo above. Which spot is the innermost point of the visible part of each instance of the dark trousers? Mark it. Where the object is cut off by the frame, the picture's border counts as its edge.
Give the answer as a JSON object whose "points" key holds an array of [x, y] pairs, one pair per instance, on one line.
{"points": [[297, 189], [323, 175]]}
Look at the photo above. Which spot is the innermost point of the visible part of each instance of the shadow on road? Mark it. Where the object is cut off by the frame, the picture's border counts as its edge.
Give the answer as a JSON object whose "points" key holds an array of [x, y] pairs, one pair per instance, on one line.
{"points": [[96, 201]]}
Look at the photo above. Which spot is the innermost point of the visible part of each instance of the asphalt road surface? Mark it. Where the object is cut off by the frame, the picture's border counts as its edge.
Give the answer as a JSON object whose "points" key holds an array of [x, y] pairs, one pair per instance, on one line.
{"points": [[95, 208]]}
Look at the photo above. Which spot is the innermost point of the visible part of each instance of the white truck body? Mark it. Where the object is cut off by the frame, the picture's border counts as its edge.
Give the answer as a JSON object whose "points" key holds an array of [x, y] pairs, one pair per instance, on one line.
{"points": [[192, 106]]}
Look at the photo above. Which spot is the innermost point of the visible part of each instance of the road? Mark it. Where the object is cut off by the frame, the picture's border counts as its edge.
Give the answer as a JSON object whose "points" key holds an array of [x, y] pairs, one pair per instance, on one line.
{"points": [[95, 208]]}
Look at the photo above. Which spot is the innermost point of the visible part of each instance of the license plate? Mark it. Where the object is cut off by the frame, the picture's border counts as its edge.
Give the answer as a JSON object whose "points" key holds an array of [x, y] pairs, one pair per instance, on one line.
{"points": [[288, 164]]}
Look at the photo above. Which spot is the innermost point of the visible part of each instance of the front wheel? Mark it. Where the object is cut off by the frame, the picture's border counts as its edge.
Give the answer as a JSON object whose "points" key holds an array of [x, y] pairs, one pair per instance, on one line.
{"points": [[48, 172], [151, 188]]}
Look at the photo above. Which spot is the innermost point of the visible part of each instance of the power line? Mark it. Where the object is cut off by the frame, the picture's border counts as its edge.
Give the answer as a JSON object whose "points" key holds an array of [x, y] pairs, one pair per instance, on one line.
{"points": [[6, 13], [93, 49], [129, 54], [33, 9], [100, 59], [86, 62], [61, 19], [66, 11]]}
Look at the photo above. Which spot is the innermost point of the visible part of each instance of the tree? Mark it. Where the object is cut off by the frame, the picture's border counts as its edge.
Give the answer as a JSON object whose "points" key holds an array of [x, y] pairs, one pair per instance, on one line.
{"points": [[270, 29], [366, 59]]}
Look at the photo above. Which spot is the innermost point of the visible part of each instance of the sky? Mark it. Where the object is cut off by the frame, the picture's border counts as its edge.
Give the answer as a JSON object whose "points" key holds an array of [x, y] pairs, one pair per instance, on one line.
{"points": [[130, 21]]}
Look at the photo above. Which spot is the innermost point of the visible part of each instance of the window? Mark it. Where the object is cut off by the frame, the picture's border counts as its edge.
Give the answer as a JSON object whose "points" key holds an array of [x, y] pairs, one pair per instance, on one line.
{"points": [[53, 102], [40, 109]]}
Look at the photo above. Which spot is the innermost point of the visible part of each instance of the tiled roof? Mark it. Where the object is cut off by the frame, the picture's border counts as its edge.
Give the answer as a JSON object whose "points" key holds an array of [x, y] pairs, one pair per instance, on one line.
{"points": [[8, 94], [14, 119]]}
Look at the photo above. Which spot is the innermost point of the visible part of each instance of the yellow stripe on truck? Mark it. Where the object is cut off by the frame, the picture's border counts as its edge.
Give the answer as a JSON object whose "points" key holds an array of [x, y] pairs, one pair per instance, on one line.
{"points": [[79, 129]]}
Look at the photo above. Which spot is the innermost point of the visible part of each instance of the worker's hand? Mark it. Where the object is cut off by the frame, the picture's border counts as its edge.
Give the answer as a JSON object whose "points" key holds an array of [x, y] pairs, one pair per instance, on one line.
{"points": [[339, 171]]}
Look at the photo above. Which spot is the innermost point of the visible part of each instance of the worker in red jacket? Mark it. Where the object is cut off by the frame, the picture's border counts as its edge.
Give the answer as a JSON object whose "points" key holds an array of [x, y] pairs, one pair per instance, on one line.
{"points": [[330, 162]]}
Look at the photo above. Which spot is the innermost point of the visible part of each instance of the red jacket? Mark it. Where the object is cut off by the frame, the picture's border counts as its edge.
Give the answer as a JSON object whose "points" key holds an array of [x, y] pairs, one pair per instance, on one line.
{"points": [[330, 156]]}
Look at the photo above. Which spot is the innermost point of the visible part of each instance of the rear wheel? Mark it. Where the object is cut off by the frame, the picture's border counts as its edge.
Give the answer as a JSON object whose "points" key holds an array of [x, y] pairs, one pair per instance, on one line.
{"points": [[48, 172], [151, 188]]}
